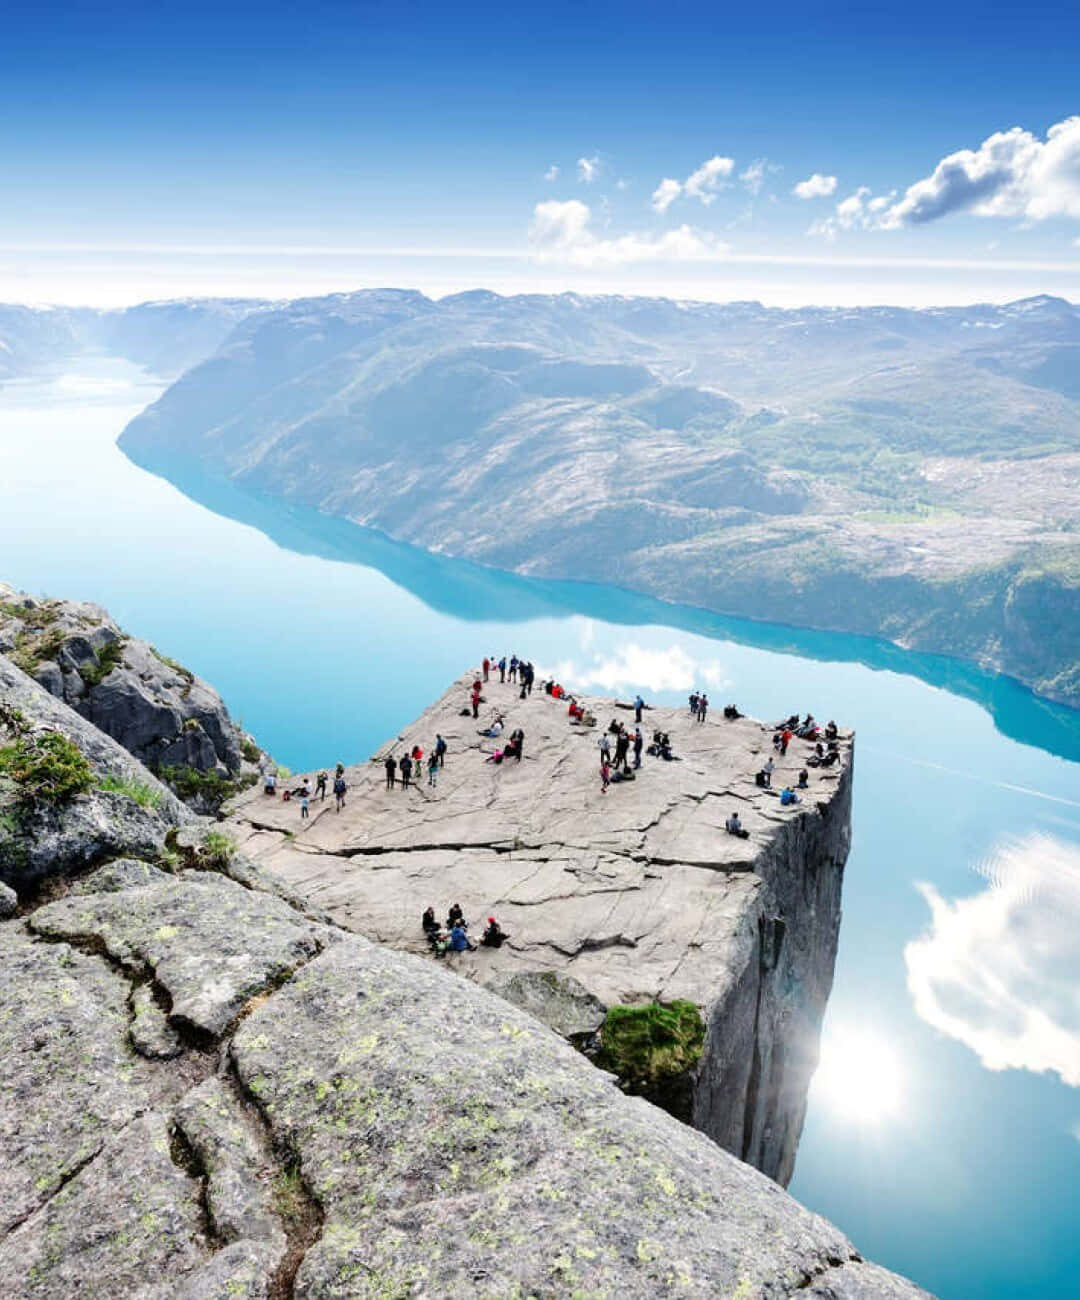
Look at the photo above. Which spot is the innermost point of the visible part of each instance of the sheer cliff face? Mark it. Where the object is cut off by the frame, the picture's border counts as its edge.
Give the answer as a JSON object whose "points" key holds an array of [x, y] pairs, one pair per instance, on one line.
{"points": [[762, 1043], [636, 894], [879, 471], [210, 1090]]}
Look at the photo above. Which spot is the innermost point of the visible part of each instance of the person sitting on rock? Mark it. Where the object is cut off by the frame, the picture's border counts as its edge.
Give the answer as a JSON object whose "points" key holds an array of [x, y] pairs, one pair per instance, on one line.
{"points": [[428, 921], [495, 730], [456, 917], [731, 712], [768, 770], [788, 796], [831, 730], [270, 781], [459, 940], [734, 826], [494, 935], [804, 779]]}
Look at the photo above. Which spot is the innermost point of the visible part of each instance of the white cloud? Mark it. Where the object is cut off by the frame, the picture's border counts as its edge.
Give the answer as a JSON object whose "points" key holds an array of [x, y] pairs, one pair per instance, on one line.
{"points": [[1000, 971], [816, 186], [588, 169], [703, 184], [665, 194], [753, 177], [859, 211], [622, 183], [634, 666], [560, 232], [1012, 174], [552, 173], [706, 181]]}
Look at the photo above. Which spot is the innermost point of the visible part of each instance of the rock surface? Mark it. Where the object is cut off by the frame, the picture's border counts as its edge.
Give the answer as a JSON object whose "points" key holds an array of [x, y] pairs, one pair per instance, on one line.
{"points": [[159, 711], [638, 894], [331, 1118]]}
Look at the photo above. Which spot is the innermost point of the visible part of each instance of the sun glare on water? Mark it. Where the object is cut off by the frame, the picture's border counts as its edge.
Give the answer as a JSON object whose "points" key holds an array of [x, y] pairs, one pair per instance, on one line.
{"points": [[860, 1078]]}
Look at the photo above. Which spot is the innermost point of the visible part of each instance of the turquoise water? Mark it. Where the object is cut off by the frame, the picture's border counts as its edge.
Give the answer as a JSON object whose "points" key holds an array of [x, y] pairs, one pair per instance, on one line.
{"points": [[944, 1125]]}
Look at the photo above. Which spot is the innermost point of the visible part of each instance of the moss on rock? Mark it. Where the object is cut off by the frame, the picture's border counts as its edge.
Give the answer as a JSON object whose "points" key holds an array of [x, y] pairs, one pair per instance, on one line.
{"points": [[652, 1046]]}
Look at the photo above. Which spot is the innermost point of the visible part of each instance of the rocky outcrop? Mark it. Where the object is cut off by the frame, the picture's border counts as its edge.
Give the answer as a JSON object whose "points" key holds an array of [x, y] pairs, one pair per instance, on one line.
{"points": [[209, 1092], [159, 711], [637, 894]]}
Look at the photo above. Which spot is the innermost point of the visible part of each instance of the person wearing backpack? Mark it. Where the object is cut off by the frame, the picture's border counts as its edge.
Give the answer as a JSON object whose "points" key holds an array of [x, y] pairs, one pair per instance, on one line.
{"points": [[391, 771], [440, 749], [406, 770], [339, 791]]}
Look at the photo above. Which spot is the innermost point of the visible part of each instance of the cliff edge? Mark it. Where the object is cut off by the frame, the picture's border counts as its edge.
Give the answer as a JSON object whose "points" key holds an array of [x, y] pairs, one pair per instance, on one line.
{"points": [[627, 898]]}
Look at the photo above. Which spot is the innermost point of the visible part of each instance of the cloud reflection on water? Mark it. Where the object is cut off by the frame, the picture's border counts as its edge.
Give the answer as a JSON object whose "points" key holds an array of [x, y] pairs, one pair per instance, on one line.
{"points": [[1000, 971], [629, 665]]}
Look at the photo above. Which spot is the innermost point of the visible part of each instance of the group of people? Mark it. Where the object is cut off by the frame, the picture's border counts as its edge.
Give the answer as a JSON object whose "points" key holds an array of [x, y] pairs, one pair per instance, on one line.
{"points": [[303, 792], [411, 764], [454, 935], [699, 706], [519, 671]]}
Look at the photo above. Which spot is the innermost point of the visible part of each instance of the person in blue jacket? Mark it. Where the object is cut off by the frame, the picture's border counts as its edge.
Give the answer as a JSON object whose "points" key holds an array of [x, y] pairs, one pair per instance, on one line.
{"points": [[459, 940]]}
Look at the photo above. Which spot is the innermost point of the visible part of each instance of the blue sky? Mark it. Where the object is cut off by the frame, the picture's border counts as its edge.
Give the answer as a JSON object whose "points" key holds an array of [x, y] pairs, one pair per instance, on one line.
{"points": [[148, 151]]}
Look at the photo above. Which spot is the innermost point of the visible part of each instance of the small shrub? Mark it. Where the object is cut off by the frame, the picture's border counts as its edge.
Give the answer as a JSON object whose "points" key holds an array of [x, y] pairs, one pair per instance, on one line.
{"points": [[34, 648], [142, 792], [251, 752], [109, 657], [46, 768], [217, 849], [649, 1044]]}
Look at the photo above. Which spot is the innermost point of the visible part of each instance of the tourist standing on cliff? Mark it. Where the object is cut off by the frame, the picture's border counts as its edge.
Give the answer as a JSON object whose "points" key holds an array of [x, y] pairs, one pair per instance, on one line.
{"points": [[605, 772], [476, 700], [702, 706], [622, 747], [304, 797], [513, 667], [391, 771], [487, 667], [433, 769], [406, 770], [639, 704], [502, 669], [693, 704], [440, 749], [339, 791], [638, 742], [320, 787]]}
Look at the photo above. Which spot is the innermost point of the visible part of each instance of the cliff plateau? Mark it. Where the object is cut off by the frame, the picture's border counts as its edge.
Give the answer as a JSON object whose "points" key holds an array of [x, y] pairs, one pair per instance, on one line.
{"points": [[211, 1091], [637, 894]]}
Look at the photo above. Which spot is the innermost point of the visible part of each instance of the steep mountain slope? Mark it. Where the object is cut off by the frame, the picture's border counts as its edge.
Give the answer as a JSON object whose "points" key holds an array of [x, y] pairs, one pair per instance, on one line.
{"points": [[910, 474]]}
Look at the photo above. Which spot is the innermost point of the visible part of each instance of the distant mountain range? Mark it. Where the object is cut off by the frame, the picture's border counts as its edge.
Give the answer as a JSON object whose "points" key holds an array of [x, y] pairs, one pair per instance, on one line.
{"points": [[909, 474]]}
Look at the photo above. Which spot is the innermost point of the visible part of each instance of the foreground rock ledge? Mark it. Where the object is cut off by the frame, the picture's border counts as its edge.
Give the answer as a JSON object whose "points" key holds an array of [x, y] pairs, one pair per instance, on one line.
{"points": [[211, 1094], [638, 893]]}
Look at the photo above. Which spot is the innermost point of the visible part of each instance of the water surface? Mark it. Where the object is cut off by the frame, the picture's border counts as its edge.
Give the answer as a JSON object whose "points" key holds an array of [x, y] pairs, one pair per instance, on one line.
{"points": [[944, 1126]]}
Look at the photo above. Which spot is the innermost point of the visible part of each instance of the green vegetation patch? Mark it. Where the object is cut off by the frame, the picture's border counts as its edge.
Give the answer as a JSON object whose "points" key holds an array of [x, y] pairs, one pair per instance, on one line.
{"points": [[34, 647], [141, 792], [210, 786], [650, 1044], [108, 657], [45, 768], [250, 750], [186, 673]]}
